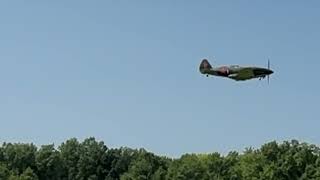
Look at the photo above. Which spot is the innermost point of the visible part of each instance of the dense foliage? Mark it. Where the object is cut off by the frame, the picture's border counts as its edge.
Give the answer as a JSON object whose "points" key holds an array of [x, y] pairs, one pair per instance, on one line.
{"points": [[93, 160]]}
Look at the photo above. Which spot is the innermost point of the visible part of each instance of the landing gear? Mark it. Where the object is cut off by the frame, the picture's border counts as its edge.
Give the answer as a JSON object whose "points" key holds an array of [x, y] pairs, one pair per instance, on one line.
{"points": [[260, 78]]}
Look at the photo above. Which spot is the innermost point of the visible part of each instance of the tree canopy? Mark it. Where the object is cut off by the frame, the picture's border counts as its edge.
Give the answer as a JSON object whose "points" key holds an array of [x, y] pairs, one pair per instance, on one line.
{"points": [[93, 160]]}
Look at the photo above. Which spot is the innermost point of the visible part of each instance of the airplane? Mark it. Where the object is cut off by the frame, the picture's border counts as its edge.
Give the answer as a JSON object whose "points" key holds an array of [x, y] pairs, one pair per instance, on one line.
{"points": [[235, 72]]}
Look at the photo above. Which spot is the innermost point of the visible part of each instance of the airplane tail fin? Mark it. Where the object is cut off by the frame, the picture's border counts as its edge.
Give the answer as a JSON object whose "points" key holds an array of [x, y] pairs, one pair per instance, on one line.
{"points": [[205, 66]]}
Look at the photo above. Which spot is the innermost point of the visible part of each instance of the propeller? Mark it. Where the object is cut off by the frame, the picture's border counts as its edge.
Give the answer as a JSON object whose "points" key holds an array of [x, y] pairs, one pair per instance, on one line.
{"points": [[268, 69]]}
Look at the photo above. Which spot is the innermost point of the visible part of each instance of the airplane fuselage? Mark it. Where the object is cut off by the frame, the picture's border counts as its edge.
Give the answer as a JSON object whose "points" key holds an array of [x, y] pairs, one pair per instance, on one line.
{"points": [[234, 72]]}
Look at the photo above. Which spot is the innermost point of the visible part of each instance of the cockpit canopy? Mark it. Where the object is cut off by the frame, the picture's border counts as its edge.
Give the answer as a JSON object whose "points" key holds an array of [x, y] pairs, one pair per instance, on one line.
{"points": [[235, 66]]}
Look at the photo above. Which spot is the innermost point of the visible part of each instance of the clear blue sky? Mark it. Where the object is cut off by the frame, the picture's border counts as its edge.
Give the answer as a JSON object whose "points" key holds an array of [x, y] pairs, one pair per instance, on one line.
{"points": [[126, 72]]}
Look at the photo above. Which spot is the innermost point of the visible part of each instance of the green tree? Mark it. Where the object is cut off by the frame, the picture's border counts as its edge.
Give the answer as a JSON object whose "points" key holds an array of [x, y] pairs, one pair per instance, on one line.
{"points": [[28, 174], [18, 157], [217, 167], [70, 154], [160, 174], [188, 167], [92, 160], [49, 163], [251, 165], [119, 161], [144, 166], [4, 172]]}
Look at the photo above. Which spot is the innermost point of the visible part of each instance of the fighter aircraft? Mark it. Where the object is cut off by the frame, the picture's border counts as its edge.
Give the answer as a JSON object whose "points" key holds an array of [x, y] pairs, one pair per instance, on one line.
{"points": [[235, 72]]}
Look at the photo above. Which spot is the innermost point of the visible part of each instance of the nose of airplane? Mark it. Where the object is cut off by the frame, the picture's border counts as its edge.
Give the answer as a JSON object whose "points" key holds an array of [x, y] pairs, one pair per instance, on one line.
{"points": [[269, 72]]}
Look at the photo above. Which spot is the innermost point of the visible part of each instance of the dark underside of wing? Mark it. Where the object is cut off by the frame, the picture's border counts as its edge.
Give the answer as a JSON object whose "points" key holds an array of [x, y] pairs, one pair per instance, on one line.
{"points": [[243, 74]]}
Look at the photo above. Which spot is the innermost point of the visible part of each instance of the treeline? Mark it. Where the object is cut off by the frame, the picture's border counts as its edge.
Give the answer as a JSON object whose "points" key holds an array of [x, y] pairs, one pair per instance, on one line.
{"points": [[93, 160]]}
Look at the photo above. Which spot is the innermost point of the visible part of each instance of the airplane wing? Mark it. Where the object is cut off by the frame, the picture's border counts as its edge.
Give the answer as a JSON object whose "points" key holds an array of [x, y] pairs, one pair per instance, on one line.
{"points": [[243, 74]]}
